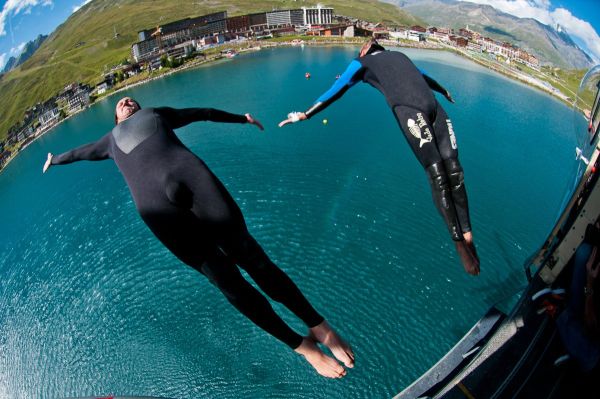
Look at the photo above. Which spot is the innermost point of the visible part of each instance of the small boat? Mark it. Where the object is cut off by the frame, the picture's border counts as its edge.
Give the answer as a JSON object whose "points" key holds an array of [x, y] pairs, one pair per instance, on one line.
{"points": [[230, 53]]}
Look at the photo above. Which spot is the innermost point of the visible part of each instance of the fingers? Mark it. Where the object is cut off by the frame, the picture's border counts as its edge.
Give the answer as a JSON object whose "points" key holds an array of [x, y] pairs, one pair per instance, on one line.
{"points": [[254, 122], [257, 124], [47, 163], [284, 122]]}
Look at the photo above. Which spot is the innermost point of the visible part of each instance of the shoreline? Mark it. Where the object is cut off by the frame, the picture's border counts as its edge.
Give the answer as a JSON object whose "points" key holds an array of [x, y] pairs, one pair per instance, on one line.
{"points": [[259, 46]]}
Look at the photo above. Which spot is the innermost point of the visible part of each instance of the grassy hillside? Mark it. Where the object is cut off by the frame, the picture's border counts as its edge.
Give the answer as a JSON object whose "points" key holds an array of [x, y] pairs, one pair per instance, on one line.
{"points": [[83, 47]]}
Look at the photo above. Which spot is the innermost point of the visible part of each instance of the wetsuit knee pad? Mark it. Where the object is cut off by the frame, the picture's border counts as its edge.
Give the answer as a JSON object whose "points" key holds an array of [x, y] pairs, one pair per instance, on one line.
{"points": [[442, 198], [459, 192], [455, 173], [439, 184]]}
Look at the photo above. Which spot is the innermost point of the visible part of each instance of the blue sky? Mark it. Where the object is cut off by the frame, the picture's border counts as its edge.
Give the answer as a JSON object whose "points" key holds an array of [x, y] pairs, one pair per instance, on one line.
{"points": [[22, 20]]}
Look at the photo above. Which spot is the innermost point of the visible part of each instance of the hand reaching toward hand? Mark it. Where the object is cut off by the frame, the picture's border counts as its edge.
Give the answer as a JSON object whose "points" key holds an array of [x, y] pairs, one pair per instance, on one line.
{"points": [[293, 117], [254, 122], [48, 163]]}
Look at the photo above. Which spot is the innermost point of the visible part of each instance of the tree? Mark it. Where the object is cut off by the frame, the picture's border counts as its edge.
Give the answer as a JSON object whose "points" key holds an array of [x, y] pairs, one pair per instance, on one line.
{"points": [[164, 61]]}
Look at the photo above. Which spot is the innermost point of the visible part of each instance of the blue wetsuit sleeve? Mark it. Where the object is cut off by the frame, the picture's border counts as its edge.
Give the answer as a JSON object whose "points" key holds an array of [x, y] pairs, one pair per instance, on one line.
{"points": [[348, 79], [96, 151], [181, 117]]}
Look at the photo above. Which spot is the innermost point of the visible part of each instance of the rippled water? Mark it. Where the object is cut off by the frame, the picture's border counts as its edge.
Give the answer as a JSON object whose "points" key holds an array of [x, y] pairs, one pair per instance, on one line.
{"points": [[92, 304]]}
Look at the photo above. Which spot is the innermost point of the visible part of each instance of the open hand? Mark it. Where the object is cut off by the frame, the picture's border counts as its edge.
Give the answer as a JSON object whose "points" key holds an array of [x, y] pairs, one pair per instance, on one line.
{"points": [[48, 163], [255, 122], [293, 117]]}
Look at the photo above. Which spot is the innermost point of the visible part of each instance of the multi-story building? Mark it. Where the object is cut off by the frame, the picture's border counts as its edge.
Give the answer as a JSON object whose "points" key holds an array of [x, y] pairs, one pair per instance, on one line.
{"points": [[317, 15], [198, 31], [441, 33], [239, 24], [509, 51], [153, 41], [297, 18], [279, 19], [459, 41], [258, 21], [466, 33], [80, 99], [490, 45], [182, 25], [49, 117], [474, 46], [141, 51]]}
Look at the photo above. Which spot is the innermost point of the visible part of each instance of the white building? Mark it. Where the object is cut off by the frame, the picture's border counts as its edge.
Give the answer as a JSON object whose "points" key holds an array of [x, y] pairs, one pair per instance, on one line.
{"points": [[102, 88], [277, 19], [318, 15], [79, 100], [49, 117]]}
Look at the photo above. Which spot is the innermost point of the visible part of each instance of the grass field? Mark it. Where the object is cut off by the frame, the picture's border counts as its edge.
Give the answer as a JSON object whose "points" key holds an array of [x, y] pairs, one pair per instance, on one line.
{"points": [[84, 46]]}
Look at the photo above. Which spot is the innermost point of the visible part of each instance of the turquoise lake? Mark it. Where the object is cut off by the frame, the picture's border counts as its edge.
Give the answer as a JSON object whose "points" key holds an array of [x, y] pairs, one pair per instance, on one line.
{"points": [[92, 304]]}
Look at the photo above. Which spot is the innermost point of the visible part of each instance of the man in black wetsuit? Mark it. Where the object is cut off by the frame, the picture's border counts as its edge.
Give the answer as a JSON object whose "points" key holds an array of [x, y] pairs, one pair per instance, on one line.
{"points": [[425, 125], [190, 211]]}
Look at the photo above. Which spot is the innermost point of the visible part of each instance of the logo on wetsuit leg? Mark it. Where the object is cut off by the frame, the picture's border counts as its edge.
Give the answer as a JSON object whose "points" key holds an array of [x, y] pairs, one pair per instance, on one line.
{"points": [[424, 136], [451, 134]]}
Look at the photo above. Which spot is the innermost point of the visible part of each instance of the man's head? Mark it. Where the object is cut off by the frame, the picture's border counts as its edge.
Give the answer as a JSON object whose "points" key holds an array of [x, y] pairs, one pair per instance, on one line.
{"points": [[370, 47], [126, 107]]}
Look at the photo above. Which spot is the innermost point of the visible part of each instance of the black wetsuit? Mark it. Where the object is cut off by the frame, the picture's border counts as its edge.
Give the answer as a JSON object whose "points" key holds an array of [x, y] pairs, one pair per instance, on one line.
{"points": [[423, 121], [192, 214]]}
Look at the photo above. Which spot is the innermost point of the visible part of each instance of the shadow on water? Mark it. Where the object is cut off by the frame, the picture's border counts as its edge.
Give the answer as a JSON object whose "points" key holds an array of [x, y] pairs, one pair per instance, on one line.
{"points": [[496, 293], [501, 293]]}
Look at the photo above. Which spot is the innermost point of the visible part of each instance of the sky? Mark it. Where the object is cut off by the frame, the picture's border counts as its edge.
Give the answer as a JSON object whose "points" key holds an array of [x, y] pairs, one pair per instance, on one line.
{"points": [[22, 20]]}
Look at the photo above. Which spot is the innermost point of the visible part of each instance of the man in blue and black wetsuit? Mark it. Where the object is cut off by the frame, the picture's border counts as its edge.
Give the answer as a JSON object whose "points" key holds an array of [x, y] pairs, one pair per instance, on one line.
{"points": [[191, 212], [426, 127]]}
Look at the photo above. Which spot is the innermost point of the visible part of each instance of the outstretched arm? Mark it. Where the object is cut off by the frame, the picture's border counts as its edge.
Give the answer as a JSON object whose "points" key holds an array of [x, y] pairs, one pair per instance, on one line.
{"points": [[180, 117], [434, 85], [96, 151], [346, 80]]}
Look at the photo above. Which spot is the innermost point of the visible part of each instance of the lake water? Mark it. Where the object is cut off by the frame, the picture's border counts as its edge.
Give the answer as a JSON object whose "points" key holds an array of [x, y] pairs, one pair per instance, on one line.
{"points": [[92, 304]]}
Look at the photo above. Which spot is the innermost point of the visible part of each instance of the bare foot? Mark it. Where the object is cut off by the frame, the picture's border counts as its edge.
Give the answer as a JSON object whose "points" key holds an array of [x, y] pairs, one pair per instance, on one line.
{"points": [[469, 239], [324, 334], [469, 261], [325, 365]]}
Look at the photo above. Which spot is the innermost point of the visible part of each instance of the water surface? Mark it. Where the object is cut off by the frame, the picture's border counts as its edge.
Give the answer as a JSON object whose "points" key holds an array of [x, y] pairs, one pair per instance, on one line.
{"points": [[92, 304]]}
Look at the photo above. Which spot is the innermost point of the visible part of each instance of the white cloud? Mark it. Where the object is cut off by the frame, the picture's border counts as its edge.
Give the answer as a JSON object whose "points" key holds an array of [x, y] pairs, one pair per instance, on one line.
{"points": [[542, 11], [2, 60], [17, 50], [15, 7], [75, 8]]}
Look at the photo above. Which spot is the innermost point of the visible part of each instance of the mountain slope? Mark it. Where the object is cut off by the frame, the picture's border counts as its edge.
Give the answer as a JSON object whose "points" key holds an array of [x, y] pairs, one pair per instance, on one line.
{"points": [[549, 45], [27, 52], [84, 45]]}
